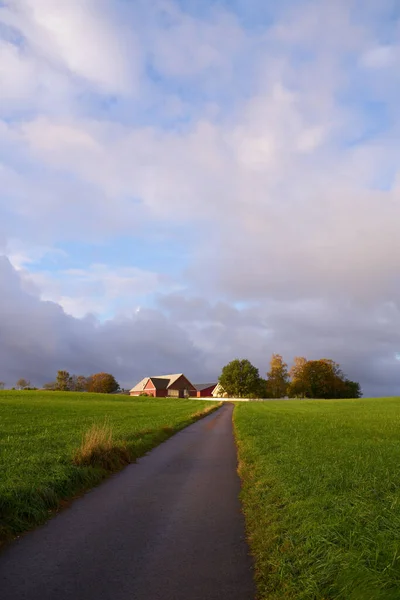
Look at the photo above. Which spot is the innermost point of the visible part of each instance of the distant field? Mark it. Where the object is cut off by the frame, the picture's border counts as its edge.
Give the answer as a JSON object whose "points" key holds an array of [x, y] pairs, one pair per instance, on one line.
{"points": [[39, 433], [321, 496]]}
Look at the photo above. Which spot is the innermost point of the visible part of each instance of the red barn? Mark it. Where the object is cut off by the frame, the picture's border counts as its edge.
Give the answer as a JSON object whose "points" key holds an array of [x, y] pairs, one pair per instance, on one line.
{"points": [[205, 390], [163, 386]]}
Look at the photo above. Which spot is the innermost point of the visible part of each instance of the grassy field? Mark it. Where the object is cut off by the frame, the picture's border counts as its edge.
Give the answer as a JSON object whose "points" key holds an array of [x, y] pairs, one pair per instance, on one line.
{"points": [[321, 496], [40, 433]]}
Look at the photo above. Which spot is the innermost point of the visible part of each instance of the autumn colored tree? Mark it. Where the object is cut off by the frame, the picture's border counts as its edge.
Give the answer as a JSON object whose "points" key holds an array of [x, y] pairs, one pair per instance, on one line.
{"points": [[240, 379], [297, 367], [23, 383], [103, 383], [295, 387], [277, 377], [63, 381], [321, 379]]}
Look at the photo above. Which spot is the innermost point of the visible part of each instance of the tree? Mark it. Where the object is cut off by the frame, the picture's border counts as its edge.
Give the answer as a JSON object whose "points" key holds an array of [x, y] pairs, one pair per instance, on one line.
{"points": [[262, 389], [23, 383], [78, 383], [321, 379], [277, 377], [350, 389], [2, 385], [297, 367], [51, 385], [103, 383], [240, 379], [295, 388], [63, 381]]}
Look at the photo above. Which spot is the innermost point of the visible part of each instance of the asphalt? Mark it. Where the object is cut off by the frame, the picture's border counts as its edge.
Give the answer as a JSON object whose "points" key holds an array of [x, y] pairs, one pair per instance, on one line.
{"points": [[168, 527]]}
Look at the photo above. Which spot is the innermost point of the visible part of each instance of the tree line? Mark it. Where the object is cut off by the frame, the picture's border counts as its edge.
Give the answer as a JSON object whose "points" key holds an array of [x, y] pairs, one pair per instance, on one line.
{"points": [[321, 378], [102, 383]]}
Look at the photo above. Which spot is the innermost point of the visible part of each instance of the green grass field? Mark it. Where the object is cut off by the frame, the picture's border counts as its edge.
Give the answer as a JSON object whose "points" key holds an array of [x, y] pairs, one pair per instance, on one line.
{"points": [[39, 433], [321, 496]]}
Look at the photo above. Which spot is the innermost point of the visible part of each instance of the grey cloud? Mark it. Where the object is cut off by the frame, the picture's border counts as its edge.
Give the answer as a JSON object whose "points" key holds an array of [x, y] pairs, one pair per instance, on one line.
{"points": [[37, 338], [193, 335], [364, 339]]}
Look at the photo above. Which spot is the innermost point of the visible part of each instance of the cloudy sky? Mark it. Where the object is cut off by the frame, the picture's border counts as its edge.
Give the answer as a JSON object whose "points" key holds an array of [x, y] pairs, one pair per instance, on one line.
{"points": [[184, 182]]}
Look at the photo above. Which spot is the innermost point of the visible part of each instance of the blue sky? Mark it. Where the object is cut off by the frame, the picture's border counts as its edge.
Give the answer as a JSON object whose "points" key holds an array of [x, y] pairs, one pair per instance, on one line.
{"points": [[238, 156]]}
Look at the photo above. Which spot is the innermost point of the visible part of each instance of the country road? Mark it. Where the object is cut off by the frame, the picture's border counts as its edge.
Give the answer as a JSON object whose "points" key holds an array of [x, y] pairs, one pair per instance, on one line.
{"points": [[169, 527]]}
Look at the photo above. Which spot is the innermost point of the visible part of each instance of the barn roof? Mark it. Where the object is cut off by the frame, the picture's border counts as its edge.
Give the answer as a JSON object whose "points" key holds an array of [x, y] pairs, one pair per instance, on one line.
{"points": [[140, 386], [203, 386], [160, 382]]}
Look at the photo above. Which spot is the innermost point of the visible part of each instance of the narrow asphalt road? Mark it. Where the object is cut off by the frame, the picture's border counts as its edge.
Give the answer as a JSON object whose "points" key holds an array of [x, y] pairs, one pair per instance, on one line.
{"points": [[169, 527]]}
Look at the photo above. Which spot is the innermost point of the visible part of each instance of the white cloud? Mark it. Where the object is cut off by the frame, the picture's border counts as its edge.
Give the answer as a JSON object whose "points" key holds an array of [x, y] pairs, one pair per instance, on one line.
{"points": [[383, 56], [276, 179], [97, 289], [186, 47], [78, 36]]}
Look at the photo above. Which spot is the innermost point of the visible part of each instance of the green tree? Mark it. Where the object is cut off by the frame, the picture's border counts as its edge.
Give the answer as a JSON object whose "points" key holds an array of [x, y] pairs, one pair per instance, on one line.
{"points": [[277, 377], [23, 383], [240, 379], [103, 383], [63, 381], [350, 389], [261, 389]]}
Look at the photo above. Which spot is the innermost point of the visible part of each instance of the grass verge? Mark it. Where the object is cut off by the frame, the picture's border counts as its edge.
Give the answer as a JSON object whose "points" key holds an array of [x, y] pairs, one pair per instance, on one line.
{"points": [[321, 497], [98, 449], [54, 446]]}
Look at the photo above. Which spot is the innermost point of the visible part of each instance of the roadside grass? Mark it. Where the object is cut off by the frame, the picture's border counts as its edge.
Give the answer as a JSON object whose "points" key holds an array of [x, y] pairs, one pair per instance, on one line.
{"points": [[55, 445], [99, 449], [321, 497]]}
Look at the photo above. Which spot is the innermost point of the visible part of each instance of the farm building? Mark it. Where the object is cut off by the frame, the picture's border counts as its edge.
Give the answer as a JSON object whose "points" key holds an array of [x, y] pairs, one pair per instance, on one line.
{"points": [[163, 386], [205, 390], [219, 392]]}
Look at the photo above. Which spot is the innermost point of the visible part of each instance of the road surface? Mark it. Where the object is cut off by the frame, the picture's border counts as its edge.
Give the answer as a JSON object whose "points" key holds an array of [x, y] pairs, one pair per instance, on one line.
{"points": [[169, 527]]}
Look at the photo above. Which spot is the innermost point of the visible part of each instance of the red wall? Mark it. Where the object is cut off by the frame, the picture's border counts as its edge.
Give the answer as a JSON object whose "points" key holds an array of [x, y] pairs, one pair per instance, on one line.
{"points": [[151, 390], [180, 384], [206, 392]]}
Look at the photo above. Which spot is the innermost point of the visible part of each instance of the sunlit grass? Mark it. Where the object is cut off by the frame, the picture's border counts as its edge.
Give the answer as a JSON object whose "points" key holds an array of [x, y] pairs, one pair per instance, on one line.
{"points": [[321, 496]]}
